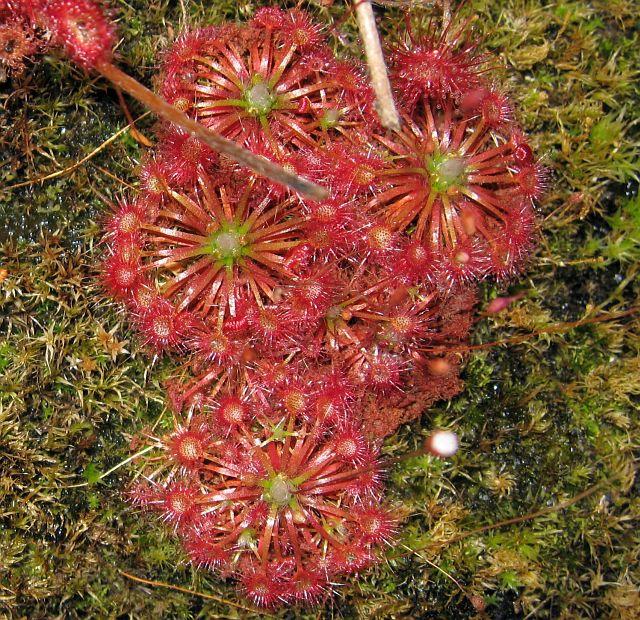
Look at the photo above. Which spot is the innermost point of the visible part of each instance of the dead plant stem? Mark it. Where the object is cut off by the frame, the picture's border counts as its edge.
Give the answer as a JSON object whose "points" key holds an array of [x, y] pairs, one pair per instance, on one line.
{"points": [[385, 104]]}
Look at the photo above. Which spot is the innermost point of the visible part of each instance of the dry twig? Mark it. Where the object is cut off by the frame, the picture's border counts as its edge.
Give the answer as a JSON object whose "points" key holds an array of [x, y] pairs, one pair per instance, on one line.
{"points": [[386, 106], [210, 597], [82, 161]]}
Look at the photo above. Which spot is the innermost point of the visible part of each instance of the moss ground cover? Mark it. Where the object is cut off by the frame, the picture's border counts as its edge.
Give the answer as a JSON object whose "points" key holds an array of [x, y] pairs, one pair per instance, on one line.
{"points": [[549, 409]]}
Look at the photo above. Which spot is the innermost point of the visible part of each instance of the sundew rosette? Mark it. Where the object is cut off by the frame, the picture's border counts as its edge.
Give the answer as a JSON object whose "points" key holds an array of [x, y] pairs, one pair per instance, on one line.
{"points": [[286, 505], [461, 182], [272, 84], [460, 178]]}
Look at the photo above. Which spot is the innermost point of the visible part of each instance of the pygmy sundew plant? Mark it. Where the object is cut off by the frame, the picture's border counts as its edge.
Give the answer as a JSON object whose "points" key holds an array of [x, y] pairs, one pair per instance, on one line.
{"points": [[220, 244], [86, 35], [271, 498], [18, 42], [79, 27], [459, 178], [271, 84], [461, 181], [444, 63]]}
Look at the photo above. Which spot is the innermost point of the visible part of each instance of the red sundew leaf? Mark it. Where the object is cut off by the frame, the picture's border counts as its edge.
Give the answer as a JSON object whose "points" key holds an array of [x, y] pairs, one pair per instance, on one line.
{"points": [[81, 28]]}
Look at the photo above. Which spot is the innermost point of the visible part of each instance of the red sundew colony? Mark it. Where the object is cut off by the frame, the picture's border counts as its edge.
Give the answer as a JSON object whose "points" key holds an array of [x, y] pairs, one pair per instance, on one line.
{"points": [[307, 330], [269, 497]]}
